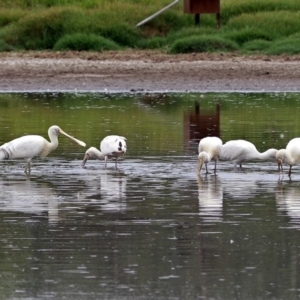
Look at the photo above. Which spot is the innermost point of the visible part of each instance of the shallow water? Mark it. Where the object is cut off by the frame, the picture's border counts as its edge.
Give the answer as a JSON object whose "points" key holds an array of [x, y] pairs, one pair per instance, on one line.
{"points": [[152, 229]]}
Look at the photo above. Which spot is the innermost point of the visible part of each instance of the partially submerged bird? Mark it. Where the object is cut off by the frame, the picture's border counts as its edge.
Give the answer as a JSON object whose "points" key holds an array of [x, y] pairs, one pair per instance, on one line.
{"points": [[290, 155], [239, 151], [112, 146], [209, 149], [29, 146]]}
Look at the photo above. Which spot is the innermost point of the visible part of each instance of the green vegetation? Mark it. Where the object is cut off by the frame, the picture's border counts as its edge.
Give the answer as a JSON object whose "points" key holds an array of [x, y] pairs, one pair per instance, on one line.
{"points": [[84, 41], [247, 26]]}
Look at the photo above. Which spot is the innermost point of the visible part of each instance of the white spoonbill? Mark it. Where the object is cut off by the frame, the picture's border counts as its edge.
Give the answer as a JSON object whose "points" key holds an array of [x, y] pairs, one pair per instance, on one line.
{"points": [[209, 149], [29, 146], [112, 146], [289, 155], [239, 151]]}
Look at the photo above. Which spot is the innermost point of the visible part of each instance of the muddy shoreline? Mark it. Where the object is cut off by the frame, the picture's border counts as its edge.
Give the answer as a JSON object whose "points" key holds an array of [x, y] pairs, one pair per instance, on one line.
{"points": [[146, 71]]}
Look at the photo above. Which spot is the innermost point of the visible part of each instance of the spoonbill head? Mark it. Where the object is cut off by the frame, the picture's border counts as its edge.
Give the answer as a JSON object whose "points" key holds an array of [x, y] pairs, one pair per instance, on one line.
{"points": [[29, 146], [112, 146], [290, 155], [209, 149]]}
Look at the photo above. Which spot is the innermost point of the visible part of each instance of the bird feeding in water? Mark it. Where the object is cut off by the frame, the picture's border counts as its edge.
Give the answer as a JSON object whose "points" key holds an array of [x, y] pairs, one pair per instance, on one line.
{"points": [[29, 146], [239, 151], [209, 149], [290, 155], [112, 146]]}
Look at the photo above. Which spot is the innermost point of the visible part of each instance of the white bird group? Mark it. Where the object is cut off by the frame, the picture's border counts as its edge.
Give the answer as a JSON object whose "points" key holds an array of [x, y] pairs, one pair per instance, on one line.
{"points": [[29, 146], [236, 151]]}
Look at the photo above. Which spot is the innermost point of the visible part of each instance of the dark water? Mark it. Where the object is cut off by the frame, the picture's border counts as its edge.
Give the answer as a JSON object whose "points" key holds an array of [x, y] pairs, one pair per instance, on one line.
{"points": [[152, 229]]}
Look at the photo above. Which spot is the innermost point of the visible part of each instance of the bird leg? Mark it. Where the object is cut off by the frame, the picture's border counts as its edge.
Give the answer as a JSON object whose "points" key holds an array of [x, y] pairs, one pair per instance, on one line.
{"points": [[27, 169], [215, 170], [290, 171], [280, 169], [105, 161], [206, 168]]}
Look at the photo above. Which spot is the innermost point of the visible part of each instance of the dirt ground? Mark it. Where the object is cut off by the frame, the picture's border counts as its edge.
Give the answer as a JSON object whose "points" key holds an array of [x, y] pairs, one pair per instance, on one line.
{"points": [[146, 71]]}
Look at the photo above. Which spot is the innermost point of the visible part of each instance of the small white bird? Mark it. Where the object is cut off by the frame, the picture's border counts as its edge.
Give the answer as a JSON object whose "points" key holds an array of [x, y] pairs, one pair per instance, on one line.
{"points": [[239, 151], [29, 146], [209, 149], [112, 146], [289, 155]]}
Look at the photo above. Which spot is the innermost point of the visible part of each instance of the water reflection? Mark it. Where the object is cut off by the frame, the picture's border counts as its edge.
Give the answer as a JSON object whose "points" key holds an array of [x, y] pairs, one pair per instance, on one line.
{"points": [[30, 198], [288, 201], [107, 191], [153, 229], [201, 123], [210, 196]]}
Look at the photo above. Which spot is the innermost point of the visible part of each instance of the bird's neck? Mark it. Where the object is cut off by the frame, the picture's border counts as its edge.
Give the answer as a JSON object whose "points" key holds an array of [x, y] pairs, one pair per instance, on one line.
{"points": [[94, 152], [48, 148], [269, 154]]}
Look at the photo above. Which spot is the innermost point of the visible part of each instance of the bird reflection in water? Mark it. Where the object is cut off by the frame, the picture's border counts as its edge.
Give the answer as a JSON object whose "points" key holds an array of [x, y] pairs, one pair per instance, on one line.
{"points": [[288, 202], [108, 192], [30, 198], [210, 195]]}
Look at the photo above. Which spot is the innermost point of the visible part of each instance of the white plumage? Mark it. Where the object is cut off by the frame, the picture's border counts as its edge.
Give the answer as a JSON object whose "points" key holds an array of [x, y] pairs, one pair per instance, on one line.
{"points": [[112, 146], [289, 155], [29, 146], [239, 151], [209, 149]]}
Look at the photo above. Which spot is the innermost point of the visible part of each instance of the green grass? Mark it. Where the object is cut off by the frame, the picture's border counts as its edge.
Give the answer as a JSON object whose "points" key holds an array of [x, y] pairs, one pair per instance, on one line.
{"points": [[85, 42], [252, 25], [203, 44], [256, 45], [289, 45]]}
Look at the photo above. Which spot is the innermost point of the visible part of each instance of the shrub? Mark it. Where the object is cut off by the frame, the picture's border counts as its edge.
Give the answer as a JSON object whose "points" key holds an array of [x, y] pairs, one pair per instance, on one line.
{"points": [[155, 42], [234, 8], [5, 47], [8, 16], [277, 23], [256, 45], [122, 34], [203, 44], [247, 34], [39, 30], [85, 42], [289, 45], [190, 31]]}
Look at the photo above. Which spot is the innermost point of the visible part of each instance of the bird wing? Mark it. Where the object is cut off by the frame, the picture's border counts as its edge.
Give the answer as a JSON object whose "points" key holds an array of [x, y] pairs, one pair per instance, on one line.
{"points": [[237, 150], [113, 143]]}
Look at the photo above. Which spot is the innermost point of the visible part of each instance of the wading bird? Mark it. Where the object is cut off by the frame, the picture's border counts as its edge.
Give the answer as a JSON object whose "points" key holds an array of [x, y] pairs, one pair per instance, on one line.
{"points": [[209, 149], [29, 146], [239, 151], [112, 146], [289, 155]]}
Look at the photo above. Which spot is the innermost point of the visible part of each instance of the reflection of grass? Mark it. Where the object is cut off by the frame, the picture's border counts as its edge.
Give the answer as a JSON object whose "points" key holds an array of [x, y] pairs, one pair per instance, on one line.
{"points": [[153, 121]]}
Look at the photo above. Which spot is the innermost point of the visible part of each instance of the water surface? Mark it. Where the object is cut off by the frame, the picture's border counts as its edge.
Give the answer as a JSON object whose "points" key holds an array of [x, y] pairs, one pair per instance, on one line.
{"points": [[152, 229]]}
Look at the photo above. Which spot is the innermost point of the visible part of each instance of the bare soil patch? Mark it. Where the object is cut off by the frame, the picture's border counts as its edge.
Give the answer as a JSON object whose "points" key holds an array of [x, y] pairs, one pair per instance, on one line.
{"points": [[146, 71]]}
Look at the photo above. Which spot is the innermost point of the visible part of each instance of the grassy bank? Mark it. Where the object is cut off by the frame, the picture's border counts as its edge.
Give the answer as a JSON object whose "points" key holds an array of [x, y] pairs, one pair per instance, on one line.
{"points": [[247, 26]]}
